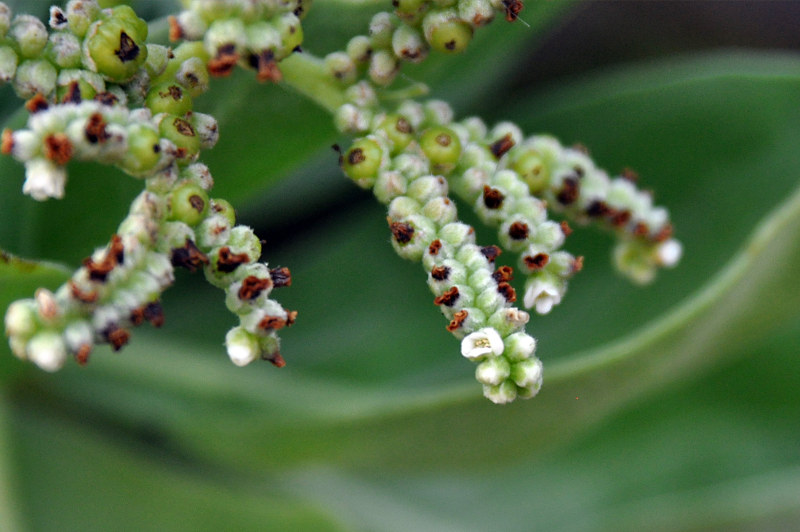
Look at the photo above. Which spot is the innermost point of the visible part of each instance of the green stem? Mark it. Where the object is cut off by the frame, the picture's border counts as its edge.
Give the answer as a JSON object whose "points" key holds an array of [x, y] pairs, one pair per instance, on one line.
{"points": [[306, 74]]}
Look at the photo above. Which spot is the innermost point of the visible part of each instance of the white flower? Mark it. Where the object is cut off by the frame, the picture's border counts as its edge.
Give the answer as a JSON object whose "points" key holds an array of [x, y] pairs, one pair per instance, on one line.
{"points": [[543, 295], [483, 342], [44, 179], [242, 346], [669, 253], [47, 350]]}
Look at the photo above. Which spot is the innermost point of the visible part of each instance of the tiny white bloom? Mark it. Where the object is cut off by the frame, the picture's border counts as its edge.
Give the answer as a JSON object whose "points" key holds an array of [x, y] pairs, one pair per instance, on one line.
{"points": [[543, 295], [483, 342], [242, 346], [47, 350], [669, 253], [44, 179]]}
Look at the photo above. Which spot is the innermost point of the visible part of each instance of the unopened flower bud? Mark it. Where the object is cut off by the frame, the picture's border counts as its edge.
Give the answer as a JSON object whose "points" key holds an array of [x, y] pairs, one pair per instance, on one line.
{"points": [[383, 67], [527, 373], [389, 185], [206, 128], [493, 371], [30, 34], [442, 147], [362, 161], [380, 30], [409, 45], [503, 393], [446, 32], [426, 188], [64, 50], [359, 48], [47, 350], [242, 346], [519, 346], [20, 319], [8, 64], [44, 179], [80, 14], [340, 67], [35, 76]]}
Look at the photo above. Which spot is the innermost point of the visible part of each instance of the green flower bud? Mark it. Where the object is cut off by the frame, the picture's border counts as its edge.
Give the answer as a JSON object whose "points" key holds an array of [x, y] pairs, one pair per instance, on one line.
{"points": [[193, 75], [458, 234], [410, 165], [262, 36], [5, 19], [493, 372], [380, 30], [389, 185], [192, 25], [383, 67], [408, 44], [527, 373], [362, 95], [8, 64], [440, 210], [291, 32], [30, 35], [352, 119], [206, 128], [244, 240], [223, 208], [188, 203], [211, 10], [185, 50], [339, 66], [181, 133], [47, 350], [446, 32], [242, 346], [359, 49], [402, 207], [170, 98], [438, 113], [35, 77], [214, 231], [143, 152], [476, 12], [157, 59], [21, 319], [362, 161], [519, 346], [503, 393], [427, 187], [115, 47], [224, 33], [442, 148], [399, 132], [410, 10], [64, 50]]}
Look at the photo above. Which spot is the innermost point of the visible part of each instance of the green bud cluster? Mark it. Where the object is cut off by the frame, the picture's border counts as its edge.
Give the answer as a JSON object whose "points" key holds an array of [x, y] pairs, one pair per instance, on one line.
{"points": [[255, 34], [409, 33], [402, 161], [172, 223]]}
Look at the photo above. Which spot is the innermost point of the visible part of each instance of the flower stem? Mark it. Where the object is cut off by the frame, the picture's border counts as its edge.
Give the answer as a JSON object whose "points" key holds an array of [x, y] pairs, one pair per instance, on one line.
{"points": [[306, 74]]}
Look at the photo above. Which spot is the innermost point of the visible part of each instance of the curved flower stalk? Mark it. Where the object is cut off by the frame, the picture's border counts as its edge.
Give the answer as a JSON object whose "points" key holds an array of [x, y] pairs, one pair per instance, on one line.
{"points": [[80, 82]]}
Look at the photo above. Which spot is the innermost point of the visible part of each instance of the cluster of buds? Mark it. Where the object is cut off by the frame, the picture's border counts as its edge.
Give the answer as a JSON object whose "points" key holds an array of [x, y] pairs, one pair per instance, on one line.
{"points": [[82, 80], [412, 158], [171, 224], [255, 34], [404, 162], [408, 34]]}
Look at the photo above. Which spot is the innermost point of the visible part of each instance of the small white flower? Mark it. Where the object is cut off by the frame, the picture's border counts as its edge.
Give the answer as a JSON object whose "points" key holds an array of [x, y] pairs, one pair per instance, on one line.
{"points": [[483, 342], [47, 350], [44, 179], [242, 346], [543, 295], [669, 253]]}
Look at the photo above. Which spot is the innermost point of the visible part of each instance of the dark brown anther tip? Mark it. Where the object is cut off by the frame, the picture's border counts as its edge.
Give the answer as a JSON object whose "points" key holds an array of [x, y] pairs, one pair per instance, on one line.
{"points": [[492, 198], [569, 191], [435, 247], [82, 355], [491, 252], [458, 320], [536, 262], [565, 228], [58, 148], [37, 103], [518, 231], [252, 287], [228, 261], [501, 147], [507, 291], [128, 49], [440, 273], [512, 9], [503, 274], [96, 129], [281, 277], [448, 299], [117, 337], [402, 232], [188, 256]]}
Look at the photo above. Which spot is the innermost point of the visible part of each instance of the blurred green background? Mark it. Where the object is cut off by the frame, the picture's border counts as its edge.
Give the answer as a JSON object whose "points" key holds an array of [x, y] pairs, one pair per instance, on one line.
{"points": [[669, 407]]}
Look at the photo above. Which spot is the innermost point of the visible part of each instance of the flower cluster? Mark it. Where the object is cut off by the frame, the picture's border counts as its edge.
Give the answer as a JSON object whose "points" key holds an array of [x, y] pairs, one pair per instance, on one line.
{"points": [[255, 34], [83, 81]]}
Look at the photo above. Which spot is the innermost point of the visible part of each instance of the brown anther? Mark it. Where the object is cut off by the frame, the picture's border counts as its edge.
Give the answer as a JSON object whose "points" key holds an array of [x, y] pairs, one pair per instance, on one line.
{"points": [[597, 209], [565, 228], [577, 264], [188, 256], [619, 218], [175, 30], [291, 317], [629, 174], [491, 252], [277, 360], [492, 198], [281, 277], [137, 316], [664, 234], [106, 98], [403, 126], [266, 66], [503, 274], [440, 273], [448, 299], [80, 295], [402, 232], [228, 261], [507, 291], [37, 103], [480, 20], [641, 229], [435, 247], [82, 355], [518, 231], [458, 320], [536, 262], [569, 191], [500, 147], [57, 18], [73, 94], [96, 129], [154, 313], [58, 148], [252, 287], [411, 54], [355, 156], [7, 142], [115, 254], [451, 44], [222, 65], [512, 8], [117, 337], [128, 50], [183, 127], [174, 92], [272, 323]]}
